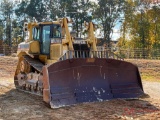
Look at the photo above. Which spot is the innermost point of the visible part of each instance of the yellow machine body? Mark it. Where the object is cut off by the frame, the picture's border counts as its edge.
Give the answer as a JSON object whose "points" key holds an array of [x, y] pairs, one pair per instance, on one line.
{"points": [[66, 70]]}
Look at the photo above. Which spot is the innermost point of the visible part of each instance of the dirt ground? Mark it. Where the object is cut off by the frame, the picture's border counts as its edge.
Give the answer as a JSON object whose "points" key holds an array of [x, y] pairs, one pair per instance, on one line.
{"points": [[16, 105]]}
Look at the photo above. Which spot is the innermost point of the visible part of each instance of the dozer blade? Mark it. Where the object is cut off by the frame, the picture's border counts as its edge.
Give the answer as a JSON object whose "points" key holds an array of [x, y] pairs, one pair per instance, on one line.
{"points": [[91, 79]]}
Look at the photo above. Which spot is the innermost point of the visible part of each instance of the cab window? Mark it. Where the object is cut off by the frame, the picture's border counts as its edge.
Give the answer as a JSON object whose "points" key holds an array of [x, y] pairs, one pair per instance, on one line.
{"points": [[35, 32], [56, 31]]}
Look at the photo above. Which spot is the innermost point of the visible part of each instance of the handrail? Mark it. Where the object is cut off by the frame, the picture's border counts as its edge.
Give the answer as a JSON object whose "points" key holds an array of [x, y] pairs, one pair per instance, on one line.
{"points": [[89, 54]]}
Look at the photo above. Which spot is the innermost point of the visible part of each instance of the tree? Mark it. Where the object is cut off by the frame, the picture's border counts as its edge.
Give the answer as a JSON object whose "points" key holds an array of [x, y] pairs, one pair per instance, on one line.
{"points": [[53, 8], [21, 9], [16, 33], [108, 12], [77, 10], [1, 30], [154, 18], [142, 23], [7, 13], [32, 9], [36, 8]]}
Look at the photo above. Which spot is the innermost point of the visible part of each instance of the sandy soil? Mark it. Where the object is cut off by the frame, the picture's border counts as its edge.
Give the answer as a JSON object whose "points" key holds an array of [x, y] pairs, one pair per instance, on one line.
{"points": [[16, 105]]}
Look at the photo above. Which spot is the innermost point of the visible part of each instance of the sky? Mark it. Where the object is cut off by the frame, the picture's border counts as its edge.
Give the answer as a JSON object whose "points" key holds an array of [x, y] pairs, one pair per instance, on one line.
{"points": [[116, 31], [94, 1]]}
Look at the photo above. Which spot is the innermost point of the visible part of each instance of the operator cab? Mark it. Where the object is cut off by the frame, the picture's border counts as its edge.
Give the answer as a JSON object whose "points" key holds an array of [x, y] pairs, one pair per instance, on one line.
{"points": [[47, 34]]}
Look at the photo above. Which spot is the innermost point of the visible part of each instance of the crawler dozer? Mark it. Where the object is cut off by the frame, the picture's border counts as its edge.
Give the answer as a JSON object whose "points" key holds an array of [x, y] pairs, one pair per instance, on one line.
{"points": [[66, 70]]}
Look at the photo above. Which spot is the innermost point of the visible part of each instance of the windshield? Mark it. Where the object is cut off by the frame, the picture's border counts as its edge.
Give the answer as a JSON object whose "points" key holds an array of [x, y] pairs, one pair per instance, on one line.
{"points": [[56, 31]]}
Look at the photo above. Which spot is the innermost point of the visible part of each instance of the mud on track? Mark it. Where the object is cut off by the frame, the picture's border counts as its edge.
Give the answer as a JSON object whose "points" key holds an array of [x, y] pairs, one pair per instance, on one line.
{"points": [[16, 105]]}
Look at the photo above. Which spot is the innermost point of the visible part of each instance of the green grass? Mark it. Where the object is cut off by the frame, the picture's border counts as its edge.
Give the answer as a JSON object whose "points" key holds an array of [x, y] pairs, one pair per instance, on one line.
{"points": [[150, 78]]}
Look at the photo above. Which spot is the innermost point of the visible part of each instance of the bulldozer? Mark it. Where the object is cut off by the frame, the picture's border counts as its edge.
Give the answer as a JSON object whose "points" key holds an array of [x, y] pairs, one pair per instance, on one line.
{"points": [[66, 70]]}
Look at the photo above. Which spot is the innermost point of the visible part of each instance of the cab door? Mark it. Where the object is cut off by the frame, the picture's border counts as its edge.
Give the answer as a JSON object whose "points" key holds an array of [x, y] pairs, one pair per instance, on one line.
{"points": [[45, 39]]}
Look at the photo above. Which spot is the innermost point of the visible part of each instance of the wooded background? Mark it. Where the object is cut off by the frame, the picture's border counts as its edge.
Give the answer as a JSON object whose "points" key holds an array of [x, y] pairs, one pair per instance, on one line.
{"points": [[139, 20]]}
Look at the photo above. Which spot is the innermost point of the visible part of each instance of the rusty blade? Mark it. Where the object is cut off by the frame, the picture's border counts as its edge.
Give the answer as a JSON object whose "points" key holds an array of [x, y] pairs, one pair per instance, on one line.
{"points": [[91, 79]]}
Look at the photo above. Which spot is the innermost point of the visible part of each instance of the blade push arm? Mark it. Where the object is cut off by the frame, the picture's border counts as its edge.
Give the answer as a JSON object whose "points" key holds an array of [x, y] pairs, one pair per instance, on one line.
{"points": [[65, 32], [92, 40]]}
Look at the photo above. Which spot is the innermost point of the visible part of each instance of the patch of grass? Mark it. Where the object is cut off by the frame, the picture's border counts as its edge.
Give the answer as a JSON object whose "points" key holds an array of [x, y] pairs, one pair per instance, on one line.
{"points": [[150, 78]]}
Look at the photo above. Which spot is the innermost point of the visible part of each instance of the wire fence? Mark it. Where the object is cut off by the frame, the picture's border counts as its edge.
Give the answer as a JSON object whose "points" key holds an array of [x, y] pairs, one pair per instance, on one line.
{"points": [[6, 50], [136, 53], [139, 53]]}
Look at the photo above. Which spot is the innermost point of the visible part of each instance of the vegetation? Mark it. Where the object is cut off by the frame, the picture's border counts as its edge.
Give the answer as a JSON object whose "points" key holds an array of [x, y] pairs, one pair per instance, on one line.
{"points": [[107, 13], [139, 19], [141, 25]]}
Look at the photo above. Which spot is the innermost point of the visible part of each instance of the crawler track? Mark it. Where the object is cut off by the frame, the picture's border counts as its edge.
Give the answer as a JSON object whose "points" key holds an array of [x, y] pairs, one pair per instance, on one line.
{"points": [[36, 64], [33, 79]]}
